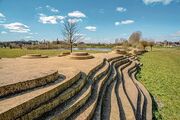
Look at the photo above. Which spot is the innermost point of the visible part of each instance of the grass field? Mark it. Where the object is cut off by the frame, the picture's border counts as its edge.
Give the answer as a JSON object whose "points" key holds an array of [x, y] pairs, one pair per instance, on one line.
{"points": [[12, 53], [161, 76]]}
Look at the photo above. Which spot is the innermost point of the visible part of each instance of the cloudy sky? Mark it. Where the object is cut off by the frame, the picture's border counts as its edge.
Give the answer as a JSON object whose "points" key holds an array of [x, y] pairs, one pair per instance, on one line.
{"points": [[98, 20]]}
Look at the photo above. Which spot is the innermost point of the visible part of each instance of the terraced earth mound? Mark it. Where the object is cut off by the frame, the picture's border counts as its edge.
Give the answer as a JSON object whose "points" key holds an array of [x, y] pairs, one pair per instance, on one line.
{"points": [[33, 56], [80, 56], [64, 54], [108, 91]]}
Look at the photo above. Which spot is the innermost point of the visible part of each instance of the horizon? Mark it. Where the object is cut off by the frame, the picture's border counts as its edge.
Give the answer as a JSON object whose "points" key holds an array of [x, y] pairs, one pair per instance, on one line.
{"points": [[99, 21]]}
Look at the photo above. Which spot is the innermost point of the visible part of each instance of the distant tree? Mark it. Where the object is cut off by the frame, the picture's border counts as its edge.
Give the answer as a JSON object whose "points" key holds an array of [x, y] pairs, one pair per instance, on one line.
{"points": [[123, 39], [144, 44], [135, 38], [21, 45], [70, 32], [125, 44], [57, 41], [116, 40], [151, 44], [10, 46], [166, 43], [4, 45]]}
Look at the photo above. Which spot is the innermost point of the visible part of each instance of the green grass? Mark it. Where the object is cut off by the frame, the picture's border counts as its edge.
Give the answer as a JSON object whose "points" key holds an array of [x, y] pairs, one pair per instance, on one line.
{"points": [[12, 53], [161, 76]]}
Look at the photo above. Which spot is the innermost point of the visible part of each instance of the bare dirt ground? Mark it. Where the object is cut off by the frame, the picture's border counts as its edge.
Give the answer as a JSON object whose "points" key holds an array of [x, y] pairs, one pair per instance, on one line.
{"points": [[13, 70]]}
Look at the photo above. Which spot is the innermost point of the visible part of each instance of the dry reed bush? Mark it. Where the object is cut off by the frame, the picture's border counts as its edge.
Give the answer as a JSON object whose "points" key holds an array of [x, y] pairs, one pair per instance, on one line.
{"points": [[137, 51], [125, 47], [130, 48], [119, 51], [132, 52], [141, 51]]}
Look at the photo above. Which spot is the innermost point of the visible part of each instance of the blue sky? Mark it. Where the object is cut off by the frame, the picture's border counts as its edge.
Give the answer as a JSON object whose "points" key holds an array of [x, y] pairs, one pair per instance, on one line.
{"points": [[98, 20]]}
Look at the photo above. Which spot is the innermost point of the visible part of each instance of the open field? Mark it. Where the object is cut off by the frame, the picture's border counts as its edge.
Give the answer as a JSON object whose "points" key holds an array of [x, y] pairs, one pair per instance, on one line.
{"points": [[12, 53], [161, 76]]}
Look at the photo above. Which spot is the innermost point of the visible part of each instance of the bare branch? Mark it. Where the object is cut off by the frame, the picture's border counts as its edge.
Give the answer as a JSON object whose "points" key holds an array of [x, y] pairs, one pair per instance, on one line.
{"points": [[70, 32]]}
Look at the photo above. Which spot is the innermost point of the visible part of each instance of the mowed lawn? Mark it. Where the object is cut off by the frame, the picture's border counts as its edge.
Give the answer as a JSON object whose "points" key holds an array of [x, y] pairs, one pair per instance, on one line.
{"points": [[161, 76], [12, 53]]}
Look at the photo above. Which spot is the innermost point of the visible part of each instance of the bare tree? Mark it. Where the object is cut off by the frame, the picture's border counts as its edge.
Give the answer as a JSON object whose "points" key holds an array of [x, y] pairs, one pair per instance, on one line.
{"points": [[71, 33], [144, 44], [135, 38], [151, 44], [117, 41]]}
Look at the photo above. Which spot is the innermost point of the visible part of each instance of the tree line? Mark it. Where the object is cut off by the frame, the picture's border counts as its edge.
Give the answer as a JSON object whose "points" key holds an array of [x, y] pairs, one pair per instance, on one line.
{"points": [[135, 40]]}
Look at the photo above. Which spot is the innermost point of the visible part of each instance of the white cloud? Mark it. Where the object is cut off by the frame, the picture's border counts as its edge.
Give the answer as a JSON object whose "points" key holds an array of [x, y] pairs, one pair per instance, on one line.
{"points": [[76, 14], [50, 19], [33, 33], [165, 2], [90, 28], [74, 20], [3, 32], [62, 21], [1, 15], [125, 22], [52, 9], [47, 6], [2, 18], [121, 9], [16, 27], [117, 23]]}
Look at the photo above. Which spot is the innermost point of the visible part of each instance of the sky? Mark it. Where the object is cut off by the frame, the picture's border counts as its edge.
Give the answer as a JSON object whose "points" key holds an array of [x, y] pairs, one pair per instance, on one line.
{"points": [[98, 20]]}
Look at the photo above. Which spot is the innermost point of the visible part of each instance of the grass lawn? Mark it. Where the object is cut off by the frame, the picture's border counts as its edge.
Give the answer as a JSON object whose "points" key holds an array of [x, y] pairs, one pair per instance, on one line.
{"points": [[12, 53], [161, 76]]}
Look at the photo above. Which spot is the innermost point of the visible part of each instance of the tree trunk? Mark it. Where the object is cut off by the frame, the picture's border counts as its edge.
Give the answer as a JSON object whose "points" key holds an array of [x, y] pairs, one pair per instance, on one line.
{"points": [[71, 47], [151, 48]]}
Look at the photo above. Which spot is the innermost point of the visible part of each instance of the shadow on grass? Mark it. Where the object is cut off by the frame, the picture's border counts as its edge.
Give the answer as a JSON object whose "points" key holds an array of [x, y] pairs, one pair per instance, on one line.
{"points": [[155, 110], [156, 114]]}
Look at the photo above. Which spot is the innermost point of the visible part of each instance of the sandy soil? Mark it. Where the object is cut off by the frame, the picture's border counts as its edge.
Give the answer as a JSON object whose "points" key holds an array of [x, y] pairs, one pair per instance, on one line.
{"points": [[13, 70]]}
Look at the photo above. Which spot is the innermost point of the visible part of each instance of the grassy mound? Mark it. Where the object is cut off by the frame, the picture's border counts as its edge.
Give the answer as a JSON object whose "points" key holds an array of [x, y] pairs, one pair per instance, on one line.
{"points": [[161, 76], [33, 56], [80, 56]]}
